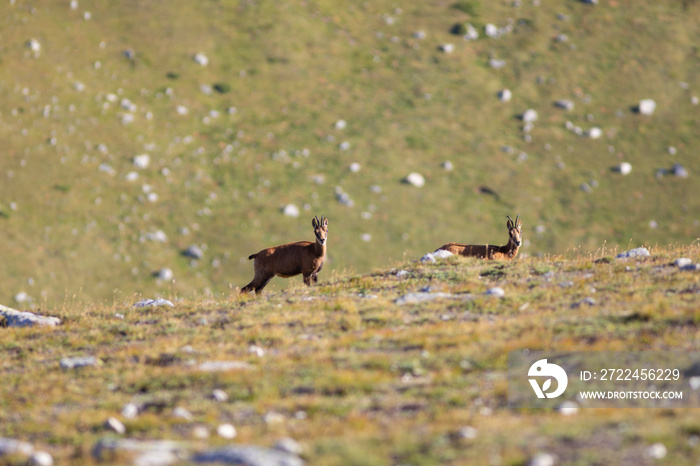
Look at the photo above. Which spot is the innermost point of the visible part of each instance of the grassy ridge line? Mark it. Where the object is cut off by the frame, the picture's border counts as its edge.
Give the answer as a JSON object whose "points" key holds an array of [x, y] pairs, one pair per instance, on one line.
{"points": [[76, 230], [377, 382]]}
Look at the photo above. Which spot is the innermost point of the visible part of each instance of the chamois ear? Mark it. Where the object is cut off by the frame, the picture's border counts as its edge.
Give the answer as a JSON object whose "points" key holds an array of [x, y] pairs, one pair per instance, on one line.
{"points": [[324, 221]]}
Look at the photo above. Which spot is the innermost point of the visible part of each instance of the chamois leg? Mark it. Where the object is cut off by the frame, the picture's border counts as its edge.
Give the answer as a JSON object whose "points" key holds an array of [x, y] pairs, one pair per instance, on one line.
{"points": [[259, 288], [314, 278], [258, 283], [307, 280]]}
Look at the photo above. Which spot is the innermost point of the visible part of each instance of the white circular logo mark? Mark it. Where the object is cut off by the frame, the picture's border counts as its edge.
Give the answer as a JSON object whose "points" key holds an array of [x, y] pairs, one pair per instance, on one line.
{"points": [[542, 368]]}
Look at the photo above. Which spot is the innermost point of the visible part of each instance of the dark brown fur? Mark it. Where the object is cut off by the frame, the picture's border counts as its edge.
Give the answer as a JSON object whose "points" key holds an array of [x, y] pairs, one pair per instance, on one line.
{"points": [[490, 251], [288, 260]]}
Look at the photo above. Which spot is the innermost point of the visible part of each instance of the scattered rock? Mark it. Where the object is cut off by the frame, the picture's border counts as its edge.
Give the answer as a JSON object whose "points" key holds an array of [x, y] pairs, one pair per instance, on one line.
{"points": [[634, 253], [130, 410], [542, 459], [682, 262], [153, 303], [256, 350], [165, 274], [142, 161], [15, 318], [468, 433], [343, 197], [625, 168], [220, 366], [447, 48], [201, 59], [565, 104], [227, 431], [497, 64], [289, 445], [447, 165], [646, 107], [505, 95], [248, 455], [657, 451], [41, 458], [679, 171], [402, 273], [219, 395], [584, 302], [115, 425], [10, 446], [568, 408], [497, 292], [594, 133], [415, 179], [340, 124], [290, 210], [193, 251], [422, 297], [433, 256], [183, 413], [147, 452], [491, 30], [79, 361], [529, 116]]}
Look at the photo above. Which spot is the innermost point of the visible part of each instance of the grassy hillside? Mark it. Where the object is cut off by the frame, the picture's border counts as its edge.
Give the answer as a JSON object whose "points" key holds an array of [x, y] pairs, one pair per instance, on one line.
{"points": [[355, 376], [231, 143]]}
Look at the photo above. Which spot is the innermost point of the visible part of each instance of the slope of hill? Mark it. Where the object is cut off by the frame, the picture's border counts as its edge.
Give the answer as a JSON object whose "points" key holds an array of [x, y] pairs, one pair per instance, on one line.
{"points": [[236, 105], [356, 371]]}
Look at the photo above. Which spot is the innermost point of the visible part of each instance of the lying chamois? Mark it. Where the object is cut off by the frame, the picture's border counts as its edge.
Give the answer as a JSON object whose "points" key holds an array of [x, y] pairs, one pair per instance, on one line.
{"points": [[287, 260], [489, 251]]}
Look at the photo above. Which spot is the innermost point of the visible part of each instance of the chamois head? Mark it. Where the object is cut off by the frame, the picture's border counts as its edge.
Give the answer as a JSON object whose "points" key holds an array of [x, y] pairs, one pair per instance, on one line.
{"points": [[320, 229], [514, 230]]}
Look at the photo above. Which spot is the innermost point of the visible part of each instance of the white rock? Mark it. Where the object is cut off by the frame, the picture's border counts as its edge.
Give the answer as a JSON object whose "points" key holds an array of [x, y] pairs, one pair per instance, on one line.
{"points": [[542, 459], [632, 253], [165, 274], [15, 318], [426, 296], [415, 179], [442, 254], [219, 395], [291, 210], [682, 262], [402, 273], [355, 167], [471, 33], [194, 252], [568, 408], [22, 297], [496, 63], [183, 413], [505, 95], [10, 446], [468, 432], [429, 257], [79, 361], [345, 145], [227, 431], [340, 124], [657, 451], [366, 237], [115, 425], [41, 458], [679, 171], [647, 106], [594, 133], [256, 350], [130, 410], [490, 30], [34, 45], [273, 417], [222, 366], [529, 116], [142, 161], [153, 302], [566, 104], [201, 59], [248, 455], [625, 168], [496, 291], [694, 382], [447, 165], [447, 48], [289, 445]]}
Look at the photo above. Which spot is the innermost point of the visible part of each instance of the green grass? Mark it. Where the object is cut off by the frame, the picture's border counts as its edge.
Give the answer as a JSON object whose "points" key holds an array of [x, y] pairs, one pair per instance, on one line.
{"points": [[378, 382], [74, 230]]}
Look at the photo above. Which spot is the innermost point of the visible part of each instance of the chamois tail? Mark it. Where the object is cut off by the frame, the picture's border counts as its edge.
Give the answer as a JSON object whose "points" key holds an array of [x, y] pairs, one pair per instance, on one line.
{"points": [[252, 256]]}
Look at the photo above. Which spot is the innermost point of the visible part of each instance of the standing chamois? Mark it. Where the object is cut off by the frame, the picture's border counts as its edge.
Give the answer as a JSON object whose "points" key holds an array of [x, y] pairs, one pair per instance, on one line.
{"points": [[287, 260], [489, 251]]}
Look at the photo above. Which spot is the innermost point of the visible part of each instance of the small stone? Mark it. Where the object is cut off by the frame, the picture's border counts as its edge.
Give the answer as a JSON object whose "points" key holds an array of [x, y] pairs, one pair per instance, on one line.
{"points": [[182, 413], [34, 45], [79, 361], [568, 408], [142, 161], [130, 410], [679, 171], [415, 179], [22, 297], [226, 431], [200, 432], [41, 458], [682, 262], [402, 273], [201, 59], [490, 30], [447, 48], [115, 425], [340, 124], [447, 165], [657, 451], [289, 445], [221, 366], [594, 133], [193, 251], [219, 395], [165, 274], [542, 459], [565, 104], [468, 432], [442, 254], [153, 302], [505, 95], [529, 116], [355, 167], [496, 63], [256, 350], [290, 210], [497, 292], [625, 168], [633, 253], [647, 106], [694, 382], [273, 417]]}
